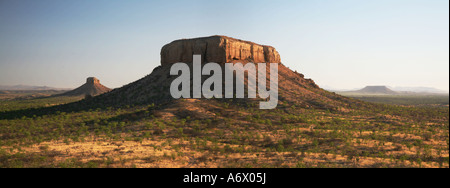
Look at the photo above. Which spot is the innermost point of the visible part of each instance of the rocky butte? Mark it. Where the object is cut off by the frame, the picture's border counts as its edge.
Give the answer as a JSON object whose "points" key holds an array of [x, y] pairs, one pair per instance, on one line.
{"points": [[155, 88], [218, 49], [231, 54], [92, 87]]}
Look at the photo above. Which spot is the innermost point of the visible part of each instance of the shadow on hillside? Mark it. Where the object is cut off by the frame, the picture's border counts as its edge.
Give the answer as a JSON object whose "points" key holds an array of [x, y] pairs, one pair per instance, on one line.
{"points": [[83, 105], [37, 112]]}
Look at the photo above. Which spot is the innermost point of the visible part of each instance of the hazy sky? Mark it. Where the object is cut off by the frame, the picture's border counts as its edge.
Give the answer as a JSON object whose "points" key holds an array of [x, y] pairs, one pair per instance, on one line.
{"points": [[338, 43]]}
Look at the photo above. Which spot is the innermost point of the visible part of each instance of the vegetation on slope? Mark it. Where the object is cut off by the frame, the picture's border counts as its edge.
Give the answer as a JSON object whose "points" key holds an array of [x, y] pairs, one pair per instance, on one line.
{"points": [[227, 133]]}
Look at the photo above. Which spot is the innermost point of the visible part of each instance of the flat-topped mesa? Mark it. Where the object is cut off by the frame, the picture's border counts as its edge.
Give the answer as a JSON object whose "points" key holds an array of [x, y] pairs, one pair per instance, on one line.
{"points": [[217, 49], [92, 80]]}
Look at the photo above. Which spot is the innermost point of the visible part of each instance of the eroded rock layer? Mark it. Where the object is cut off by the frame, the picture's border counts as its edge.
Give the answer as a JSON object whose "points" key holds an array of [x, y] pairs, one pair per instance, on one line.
{"points": [[218, 49]]}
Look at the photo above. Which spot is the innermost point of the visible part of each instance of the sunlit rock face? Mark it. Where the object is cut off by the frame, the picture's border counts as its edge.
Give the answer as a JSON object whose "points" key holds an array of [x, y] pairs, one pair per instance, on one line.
{"points": [[218, 49]]}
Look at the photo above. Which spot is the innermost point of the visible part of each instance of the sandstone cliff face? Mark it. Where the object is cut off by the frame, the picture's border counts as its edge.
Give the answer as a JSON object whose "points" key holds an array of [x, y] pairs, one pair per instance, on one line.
{"points": [[218, 49], [92, 80]]}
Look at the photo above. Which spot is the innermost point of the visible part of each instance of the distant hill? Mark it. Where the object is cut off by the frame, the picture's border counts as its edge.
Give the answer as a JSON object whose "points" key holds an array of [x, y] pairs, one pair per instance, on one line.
{"points": [[377, 90], [386, 90], [419, 90], [28, 88], [27, 94]]}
